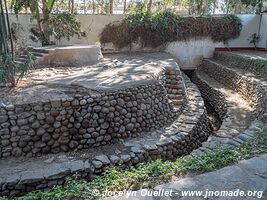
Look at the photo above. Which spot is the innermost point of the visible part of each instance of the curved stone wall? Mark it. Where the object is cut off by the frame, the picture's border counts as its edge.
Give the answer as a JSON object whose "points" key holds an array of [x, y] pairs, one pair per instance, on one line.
{"points": [[214, 97], [165, 144], [82, 122], [250, 89]]}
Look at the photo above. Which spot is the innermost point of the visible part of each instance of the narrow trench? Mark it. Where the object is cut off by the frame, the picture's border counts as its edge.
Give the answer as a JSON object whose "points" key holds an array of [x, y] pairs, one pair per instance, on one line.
{"points": [[213, 117]]}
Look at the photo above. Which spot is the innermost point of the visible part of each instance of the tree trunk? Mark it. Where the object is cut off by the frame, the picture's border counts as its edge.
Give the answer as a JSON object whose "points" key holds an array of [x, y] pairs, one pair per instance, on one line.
{"points": [[111, 2], [149, 6], [9, 31], [84, 7], [72, 6], [93, 6], [227, 6], [124, 6], [200, 7], [45, 23], [214, 6]]}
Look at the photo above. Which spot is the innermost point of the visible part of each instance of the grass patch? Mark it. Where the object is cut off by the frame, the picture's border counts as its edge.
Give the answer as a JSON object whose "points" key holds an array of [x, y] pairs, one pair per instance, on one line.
{"points": [[148, 175]]}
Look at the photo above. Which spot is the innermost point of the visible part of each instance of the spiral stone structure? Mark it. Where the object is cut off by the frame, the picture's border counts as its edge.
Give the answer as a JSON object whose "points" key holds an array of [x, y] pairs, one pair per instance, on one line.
{"points": [[149, 110]]}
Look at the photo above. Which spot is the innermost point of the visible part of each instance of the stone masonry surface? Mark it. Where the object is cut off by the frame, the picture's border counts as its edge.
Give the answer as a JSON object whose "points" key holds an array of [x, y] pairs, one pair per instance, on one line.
{"points": [[166, 143], [99, 118]]}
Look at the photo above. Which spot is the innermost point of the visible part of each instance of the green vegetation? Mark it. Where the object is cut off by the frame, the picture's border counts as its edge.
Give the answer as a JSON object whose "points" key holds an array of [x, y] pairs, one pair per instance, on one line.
{"points": [[254, 39], [156, 172], [155, 29], [61, 25], [11, 72]]}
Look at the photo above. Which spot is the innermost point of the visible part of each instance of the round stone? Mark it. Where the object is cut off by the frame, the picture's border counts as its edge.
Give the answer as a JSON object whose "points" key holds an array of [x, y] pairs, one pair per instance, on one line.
{"points": [[83, 102], [46, 137]]}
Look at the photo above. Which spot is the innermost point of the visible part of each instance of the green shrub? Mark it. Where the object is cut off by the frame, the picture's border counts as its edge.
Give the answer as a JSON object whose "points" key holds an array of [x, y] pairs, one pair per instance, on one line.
{"points": [[12, 71], [155, 29]]}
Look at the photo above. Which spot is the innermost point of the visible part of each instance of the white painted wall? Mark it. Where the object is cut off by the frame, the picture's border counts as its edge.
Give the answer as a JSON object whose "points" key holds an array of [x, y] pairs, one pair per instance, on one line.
{"points": [[250, 25], [190, 53], [92, 24], [263, 32]]}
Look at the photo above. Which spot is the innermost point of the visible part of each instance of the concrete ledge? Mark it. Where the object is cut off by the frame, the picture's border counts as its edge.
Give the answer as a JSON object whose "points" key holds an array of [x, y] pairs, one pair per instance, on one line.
{"points": [[69, 55]]}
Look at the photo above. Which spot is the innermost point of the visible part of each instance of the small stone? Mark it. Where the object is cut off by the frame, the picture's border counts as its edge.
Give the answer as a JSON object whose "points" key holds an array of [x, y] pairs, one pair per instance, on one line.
{"points": [[46, 137], [16, 151], [63, 140], [40, 115], [95, 134], [54, 113], [73, 144], [75, 102], [97, 108], [103, 158], [100, 138], [36, 125], [97, 164], [114, 159], [105, 110], [125, 158], [55, 104], [57, 124], [40, 131], [10, 107], [21, 122], [83, 102], [120, 102], [5, 142], [105, 125], [143, 106], [129, 127]]}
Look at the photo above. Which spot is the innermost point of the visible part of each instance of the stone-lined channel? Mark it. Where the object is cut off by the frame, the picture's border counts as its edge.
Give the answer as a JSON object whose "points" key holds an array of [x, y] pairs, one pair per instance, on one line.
{"points": [[214, 119]]}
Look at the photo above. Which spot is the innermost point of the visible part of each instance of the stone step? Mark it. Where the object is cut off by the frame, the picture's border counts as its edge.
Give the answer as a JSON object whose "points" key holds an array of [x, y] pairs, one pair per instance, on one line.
{"points": [[40, 50], [21, 59]]}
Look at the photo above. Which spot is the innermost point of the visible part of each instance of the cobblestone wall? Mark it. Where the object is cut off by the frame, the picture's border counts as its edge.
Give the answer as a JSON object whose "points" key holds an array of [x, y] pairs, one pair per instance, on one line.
{"points": [[186, 133], [82, 122], [244, 85]]}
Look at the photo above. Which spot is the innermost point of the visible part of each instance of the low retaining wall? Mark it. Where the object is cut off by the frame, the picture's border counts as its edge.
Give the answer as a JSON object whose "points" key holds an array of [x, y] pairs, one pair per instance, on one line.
{"points": [[213, 96], [242, 61], [77, 55], [170, 143], [82, 122], [251, 90]]}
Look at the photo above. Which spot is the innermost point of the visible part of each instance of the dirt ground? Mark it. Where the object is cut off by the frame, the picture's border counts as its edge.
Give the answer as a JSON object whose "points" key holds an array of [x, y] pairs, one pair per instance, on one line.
{"points": [[114, 71]]}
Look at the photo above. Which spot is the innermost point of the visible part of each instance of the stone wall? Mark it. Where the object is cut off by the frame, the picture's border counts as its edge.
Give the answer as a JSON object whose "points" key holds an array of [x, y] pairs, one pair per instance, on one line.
{"points": [[166, 145], [234, 60], [82, 122], [244, 85], [213, 96]]}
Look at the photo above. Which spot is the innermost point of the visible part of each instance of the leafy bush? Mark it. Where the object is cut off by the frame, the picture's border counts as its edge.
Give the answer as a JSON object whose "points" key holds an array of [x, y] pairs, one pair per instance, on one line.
{"points": [[155, 29], [65, 25], [12, 71], [61, 25]]}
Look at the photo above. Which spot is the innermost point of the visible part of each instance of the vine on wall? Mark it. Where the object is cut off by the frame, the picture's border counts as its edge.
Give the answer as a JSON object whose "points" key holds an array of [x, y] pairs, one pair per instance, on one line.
{"points": [[153, 30]]}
